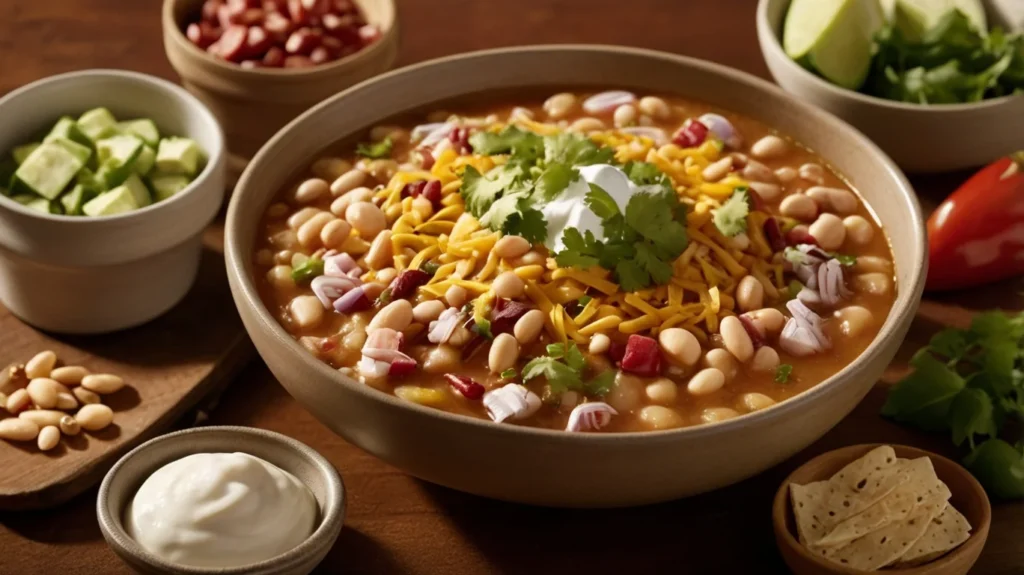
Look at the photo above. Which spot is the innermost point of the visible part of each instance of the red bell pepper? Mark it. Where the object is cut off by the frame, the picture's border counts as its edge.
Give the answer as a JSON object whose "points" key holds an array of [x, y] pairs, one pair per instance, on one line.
{"points": [[976, 236]]}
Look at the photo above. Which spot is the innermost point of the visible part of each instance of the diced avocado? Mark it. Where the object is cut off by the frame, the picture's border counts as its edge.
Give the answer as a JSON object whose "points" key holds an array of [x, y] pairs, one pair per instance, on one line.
{"points": [[88, 179], [166, 185], [139, 191], [72, 201], [118, 150], [36, 203], [67, 128], [97, 124], [143, 128], [21, 153], [178, 156], [144, 162], [51, 167], [116, 201]]}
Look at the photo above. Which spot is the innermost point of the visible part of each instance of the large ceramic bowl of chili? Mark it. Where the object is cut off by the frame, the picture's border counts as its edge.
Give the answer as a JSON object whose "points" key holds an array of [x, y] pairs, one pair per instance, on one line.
{"points": [[575, 276]]}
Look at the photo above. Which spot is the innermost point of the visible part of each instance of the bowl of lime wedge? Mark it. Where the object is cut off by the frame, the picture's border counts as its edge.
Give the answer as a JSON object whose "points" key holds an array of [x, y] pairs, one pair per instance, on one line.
{"points": [[938, 84]]}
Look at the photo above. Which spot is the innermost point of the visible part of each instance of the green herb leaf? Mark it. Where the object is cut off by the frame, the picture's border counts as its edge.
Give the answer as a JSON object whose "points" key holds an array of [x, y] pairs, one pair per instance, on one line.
{"points": [[381, 149], [480, 191], [574, 357], [731, 218], [307, 270], [971, 414], [509, 373], [844, 259], [528, 223], [924, 397], [384, 298], [580, 251], [521, 143], [554, 180], [561, 377], [583, 301], [782, 373], [999, 466], [430, 267], [575, 150], [555, 350], [482, 327], [601, 203], [653, 217], [601, 384]]}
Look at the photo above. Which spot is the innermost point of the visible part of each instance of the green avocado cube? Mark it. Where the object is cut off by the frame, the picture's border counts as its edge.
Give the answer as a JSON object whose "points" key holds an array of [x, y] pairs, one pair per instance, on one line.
{"points": [[97, 124], [139, 191], [145, 161], [167, 185], [178, 156], [73, 200], [36, 203], [67, 128], [116, 201], [51, 167], [21, 153], [117, 156], [143, 128]]}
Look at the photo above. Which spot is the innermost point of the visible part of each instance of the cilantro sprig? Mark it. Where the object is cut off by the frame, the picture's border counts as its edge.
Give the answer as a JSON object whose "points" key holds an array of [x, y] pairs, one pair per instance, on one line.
{"points": [[731, 218], [970, 384], [563, 367], [639, 245], [381, 149]]}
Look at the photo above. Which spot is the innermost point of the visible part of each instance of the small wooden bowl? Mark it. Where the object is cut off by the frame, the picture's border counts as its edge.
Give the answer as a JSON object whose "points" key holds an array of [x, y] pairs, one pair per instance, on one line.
{"points": [[968, 497], [125, 478], [252, 105]]}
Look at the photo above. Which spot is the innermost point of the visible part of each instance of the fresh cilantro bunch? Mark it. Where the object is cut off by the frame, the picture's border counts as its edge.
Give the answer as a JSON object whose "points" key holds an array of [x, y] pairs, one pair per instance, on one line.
{"points": [[971, 384], [952, 63], [563, 367], [641, 244], [538, 170]]}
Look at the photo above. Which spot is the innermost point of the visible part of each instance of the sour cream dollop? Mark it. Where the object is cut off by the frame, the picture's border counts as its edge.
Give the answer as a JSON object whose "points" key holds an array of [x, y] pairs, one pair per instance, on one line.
{"points": [[220, 510], [568, 210]]}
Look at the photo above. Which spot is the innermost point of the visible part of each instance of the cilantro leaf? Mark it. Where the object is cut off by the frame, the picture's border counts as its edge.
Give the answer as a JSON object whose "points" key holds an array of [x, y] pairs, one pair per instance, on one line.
{"points": [[925, 396], [601, 202], [575, 150], [480, 191], [971, 414], [555, 350], [561, 377], [652, 216], [554, 180], [949, 343], [647, 258], [521, 143], [643, 173], [844, 259], [601, 384], [381, 149], [574, 357], [528, 223], [482, 327], [631, 275], [731, 218], [782, 373], [509, 373], [580, 251], [1000, 468]]}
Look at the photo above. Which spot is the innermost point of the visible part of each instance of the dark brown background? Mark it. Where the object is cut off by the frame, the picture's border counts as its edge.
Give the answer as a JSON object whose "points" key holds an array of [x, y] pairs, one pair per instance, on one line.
{"points": [[397, 524]]}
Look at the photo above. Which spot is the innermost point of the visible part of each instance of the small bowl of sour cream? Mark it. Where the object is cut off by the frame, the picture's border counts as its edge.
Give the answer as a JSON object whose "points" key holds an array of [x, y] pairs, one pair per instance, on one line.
{"points": [[222, 500]]}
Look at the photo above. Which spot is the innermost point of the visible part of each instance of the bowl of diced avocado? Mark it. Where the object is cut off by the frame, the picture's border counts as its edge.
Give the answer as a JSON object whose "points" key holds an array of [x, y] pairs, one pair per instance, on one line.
{"points": [[98, 166], [937, 84], [107, 181]]}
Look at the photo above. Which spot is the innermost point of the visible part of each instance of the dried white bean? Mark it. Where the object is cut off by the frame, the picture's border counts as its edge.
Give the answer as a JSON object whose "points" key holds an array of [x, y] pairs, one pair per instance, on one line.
{"points": [[428, 311], [655, 107], [757, 172], [85, 396], [718, 169], [749, 294], [680, 346], [311, 190], [559, 105], [599, 344], [302, 216], [756, 401], [309, 232], [799, 206], [334, 233], [812, 173], [306, 311], [17, 401], [329, 168], [835, 200], [367, 219], [769, 147], [503, 354], [456, 296], [104, 383], [528, 327], [853, 320], [736, 339], [586, 125], [15, 429], [829, 232], [662, 391], [509, 247], [380, 255], [625, 115], [94, 417], [723, 361], [786, 174], [340, 204], [49, 437], [508, 285], [280, 277], [660, 417], [69, 426], [43, 392], [767, 192], [718, 414], [858, 230], [41, 364], [397, 315], [872, 264], [42, 417], [706, 381], [872, 283], [765, 359]]}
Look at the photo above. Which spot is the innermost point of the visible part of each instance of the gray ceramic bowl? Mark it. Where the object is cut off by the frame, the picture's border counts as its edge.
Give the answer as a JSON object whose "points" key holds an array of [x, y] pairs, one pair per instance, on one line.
{"points": [[919, 138], [125, 478], [542, 466]]}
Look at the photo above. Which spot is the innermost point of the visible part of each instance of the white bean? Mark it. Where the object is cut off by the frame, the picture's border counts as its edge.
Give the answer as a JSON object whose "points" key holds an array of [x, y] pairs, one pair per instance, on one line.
{"points": [[655, 107], [718, 414], [723, 361], [85, 396], [660, 417], [858, 230], [509, 247], [278, 210], [767, 192], [69, 426], [828, 230], [15, 429], [423, 207], [872, 264], [798, 206], [624, 115], [679, 345], [586, 125], [42, 417], [17, 401], [757, 172], [872, 283], [854, 319], [662, 391], [380, 255], [306, 311], [769, 147], [66, 401], [311, 190], [626, 394], [765, 359], [334, 233], [559, 105], [706, 381], [528, 327], [43, 392], [397, 315], [428, 311], [508, 285], [94, 417], [456, 296], [342, 202], [718, 169], [749, 294], [302, 216], [280, 277], [599, 344], [309, 232], [736, 339], [442, 359], [785, 174], [49, 437], [104, 383], [367, 219], [836, 200], [812, 173], [330, 168], [41, 364], [503, 354], [386, 276], [756, 401]]}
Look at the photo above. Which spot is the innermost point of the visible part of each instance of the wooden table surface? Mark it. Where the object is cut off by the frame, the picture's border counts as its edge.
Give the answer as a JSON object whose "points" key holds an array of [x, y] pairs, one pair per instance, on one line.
{"points": [[397, 524]]}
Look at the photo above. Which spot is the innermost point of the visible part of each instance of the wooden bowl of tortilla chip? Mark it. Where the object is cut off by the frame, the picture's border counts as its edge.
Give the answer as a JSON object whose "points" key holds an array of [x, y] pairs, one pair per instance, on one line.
{"points": [[967, 496]]}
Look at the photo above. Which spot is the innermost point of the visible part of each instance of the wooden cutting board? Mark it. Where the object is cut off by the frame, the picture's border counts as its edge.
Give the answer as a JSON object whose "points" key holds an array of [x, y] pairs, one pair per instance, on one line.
{"points": [[169, 365]]}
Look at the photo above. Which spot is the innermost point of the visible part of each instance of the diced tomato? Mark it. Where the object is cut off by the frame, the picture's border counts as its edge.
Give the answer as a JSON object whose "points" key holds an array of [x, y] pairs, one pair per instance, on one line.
{"points": [[466, 386], [691, 134], [402, 366], [432, 192], [642, 357]]}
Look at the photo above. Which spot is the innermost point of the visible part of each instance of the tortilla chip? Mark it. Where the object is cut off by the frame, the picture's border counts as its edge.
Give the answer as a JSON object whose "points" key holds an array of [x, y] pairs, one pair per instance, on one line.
{"points": [[809, 510], [921, 484], [947, 531], [886, 545]]}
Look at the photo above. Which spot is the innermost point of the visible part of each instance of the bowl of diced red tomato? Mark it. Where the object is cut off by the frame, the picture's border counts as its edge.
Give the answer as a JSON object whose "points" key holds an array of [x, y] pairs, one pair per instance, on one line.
{"points": [[257, 64]]}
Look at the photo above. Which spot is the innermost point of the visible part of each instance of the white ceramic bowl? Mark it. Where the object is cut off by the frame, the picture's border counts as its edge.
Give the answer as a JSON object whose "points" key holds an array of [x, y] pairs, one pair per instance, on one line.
{"points": [[919, 138], [77, 274]]}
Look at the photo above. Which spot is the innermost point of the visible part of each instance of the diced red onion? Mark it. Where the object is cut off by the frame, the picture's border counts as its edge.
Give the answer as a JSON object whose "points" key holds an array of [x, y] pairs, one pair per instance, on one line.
{"points": [[809, 297], [440, 330], [590, 416], [328, 289], [339, 265], [465, 385], [802, 334], [429, 134], [658, 135], [722, 129], [353, 300], [607, 101], [512, 401], [831, 285], [642, 357]]}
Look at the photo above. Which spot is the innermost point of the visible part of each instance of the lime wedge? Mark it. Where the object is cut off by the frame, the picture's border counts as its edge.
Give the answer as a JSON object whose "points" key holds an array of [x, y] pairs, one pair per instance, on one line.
{"points": [[915, 17], [833, 37]]}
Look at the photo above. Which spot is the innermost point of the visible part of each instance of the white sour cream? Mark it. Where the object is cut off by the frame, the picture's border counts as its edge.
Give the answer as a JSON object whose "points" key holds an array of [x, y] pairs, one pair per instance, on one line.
{"points": [[569, 210], [220, 510]]}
